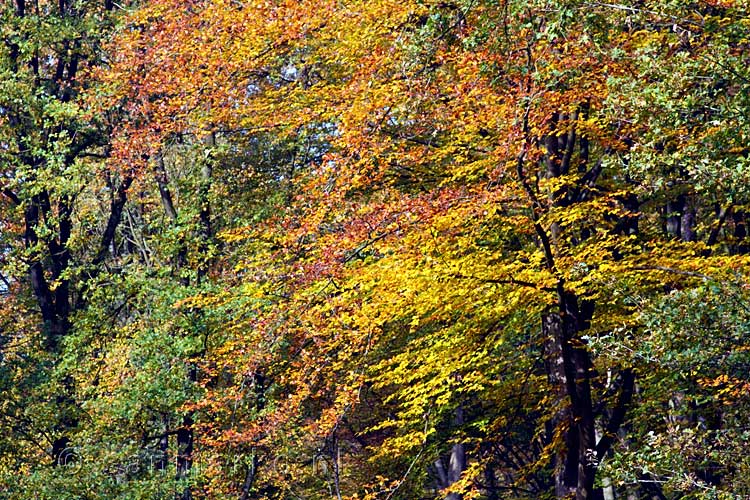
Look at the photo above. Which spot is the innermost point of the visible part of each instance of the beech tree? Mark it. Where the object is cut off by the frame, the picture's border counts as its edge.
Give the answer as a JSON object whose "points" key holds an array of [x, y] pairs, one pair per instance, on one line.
{"points": [[386, 249], [482, 195], [50, 149]]}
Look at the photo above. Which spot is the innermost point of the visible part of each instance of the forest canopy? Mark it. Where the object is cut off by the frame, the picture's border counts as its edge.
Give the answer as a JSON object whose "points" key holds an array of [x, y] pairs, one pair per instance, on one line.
{"points": [[463, 249]]}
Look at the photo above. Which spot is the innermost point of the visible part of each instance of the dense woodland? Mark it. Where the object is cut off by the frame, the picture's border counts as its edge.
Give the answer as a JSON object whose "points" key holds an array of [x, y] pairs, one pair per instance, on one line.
{"points": [[375, 249]]}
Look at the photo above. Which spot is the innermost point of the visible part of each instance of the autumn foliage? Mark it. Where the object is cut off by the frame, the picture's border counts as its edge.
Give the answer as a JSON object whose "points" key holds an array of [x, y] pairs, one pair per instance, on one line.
{"points": [[379, 250]]}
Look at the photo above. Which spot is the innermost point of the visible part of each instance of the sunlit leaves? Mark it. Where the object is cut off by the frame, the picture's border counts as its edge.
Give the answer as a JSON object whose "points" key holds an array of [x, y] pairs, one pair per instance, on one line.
{"points": [[402, 190]]}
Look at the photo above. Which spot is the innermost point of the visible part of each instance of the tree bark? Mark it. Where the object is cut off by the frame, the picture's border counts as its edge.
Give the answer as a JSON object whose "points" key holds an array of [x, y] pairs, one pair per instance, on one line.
{"points": [[569, 372], [448, 469]]}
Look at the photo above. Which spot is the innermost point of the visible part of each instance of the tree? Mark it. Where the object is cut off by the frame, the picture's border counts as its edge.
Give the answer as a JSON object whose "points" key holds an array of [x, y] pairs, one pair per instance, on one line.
{"points": [[49, 156], [477, 241]]}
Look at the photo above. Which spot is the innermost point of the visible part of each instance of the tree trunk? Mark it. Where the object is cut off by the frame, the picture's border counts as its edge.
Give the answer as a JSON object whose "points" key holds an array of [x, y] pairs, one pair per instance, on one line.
{"points": [[449, 473], [185, 453], [569, 372]]}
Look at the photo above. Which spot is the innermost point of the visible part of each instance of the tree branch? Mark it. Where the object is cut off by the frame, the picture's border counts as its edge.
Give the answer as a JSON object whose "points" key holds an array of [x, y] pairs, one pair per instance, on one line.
{"points": [[618, 413], [115, 215]]}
